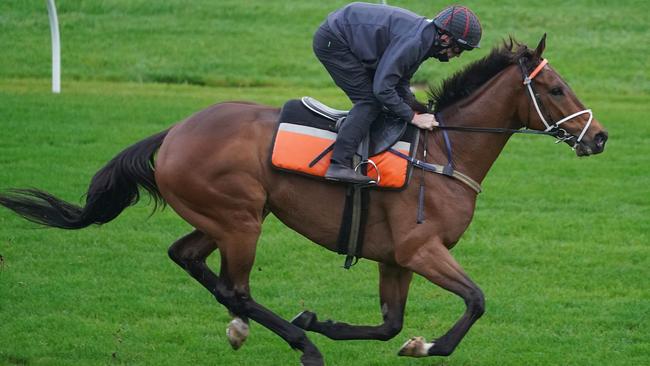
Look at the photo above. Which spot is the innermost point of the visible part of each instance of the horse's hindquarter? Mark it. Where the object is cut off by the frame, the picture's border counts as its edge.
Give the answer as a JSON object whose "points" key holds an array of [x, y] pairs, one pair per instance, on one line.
{"points": [[214, 169], [211, 167]]}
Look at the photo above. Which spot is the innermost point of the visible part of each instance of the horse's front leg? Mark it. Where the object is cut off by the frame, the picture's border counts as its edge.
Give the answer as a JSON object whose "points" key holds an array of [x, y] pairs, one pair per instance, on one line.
{"points": [[434, 262], [393, 289]]}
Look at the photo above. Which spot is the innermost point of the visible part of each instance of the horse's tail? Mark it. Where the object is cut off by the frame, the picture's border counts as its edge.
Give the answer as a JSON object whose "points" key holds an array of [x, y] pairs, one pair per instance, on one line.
{"points": [[112, 189]]}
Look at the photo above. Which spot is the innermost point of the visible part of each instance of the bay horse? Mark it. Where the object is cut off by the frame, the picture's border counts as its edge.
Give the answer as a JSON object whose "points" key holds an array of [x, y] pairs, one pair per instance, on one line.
{"points": [[214, 170]]}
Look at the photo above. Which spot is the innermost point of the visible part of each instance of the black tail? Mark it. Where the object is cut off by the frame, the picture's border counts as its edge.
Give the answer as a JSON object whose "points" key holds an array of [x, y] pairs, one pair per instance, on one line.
{"points": [[112, 189]]}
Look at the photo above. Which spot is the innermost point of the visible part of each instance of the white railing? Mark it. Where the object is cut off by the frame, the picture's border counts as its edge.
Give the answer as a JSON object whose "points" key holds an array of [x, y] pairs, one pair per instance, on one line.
{"points": [[56, 47]]}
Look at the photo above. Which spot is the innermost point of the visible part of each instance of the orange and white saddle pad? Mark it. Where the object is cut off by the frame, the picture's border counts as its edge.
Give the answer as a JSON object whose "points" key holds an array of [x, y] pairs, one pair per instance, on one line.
{"points": [[296, 146]]}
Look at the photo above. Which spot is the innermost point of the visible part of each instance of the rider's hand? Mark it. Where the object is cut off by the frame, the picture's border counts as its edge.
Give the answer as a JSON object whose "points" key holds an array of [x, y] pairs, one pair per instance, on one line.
{"points": [[425, 121]]}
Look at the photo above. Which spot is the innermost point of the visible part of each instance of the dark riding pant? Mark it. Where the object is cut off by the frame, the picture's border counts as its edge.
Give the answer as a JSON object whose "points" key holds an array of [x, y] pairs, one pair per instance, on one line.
{"points": [[356, 81]]}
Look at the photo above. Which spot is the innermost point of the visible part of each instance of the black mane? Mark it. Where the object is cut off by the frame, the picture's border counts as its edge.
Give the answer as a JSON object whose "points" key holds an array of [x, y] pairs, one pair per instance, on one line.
{"points": [[466, 81]]}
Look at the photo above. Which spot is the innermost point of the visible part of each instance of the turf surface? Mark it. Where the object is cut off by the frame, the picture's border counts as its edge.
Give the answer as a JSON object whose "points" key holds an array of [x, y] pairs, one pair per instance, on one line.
{"points": [[559, 245]]}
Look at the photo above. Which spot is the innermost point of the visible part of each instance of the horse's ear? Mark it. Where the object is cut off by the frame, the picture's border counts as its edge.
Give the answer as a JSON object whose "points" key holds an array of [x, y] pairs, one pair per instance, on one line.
{"points": [[510, 43], [540, 47]]}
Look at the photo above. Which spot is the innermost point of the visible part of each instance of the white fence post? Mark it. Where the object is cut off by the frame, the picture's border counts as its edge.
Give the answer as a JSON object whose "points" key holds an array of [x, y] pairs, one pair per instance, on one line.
{"points": [[56, 47]]}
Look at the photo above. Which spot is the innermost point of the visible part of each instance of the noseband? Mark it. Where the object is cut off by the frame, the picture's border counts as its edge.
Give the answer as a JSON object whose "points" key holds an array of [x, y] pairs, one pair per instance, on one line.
{"points": [[561, 134]]}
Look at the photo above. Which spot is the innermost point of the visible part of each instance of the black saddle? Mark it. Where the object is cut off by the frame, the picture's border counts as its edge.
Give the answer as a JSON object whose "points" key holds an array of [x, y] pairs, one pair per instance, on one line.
{"points": [[385, 131]]}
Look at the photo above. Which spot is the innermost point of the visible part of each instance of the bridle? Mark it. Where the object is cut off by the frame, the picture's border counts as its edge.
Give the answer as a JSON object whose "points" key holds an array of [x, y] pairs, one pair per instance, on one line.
{"points": [[551, 129], [561, 134]]}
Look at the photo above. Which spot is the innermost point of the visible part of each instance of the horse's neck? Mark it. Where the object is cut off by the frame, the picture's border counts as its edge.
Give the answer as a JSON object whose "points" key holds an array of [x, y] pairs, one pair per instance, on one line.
{"points": [[493, 105]]}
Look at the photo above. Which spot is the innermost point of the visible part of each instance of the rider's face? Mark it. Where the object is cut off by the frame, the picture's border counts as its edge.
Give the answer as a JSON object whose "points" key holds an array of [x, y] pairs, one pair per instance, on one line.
{"points": [[450, 48]]}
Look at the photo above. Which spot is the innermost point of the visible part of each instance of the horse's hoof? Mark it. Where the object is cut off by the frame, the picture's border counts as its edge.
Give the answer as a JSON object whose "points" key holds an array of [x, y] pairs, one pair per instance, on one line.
{"points": [[304, 320], [311, 356], [237, 333], [415, 347], [308, 361]]}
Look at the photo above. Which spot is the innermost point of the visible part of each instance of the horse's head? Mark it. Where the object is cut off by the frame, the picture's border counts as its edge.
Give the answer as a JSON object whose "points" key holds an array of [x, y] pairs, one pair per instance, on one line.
{"points": [[552, 106]]}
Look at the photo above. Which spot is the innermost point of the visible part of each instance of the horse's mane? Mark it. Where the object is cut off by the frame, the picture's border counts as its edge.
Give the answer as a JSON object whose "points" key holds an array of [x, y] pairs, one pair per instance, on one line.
{"points": [[466, 81]]}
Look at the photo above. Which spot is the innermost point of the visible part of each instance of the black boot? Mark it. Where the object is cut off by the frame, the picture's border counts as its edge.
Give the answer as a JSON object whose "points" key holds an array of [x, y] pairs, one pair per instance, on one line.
{"points": [[342, 173]]}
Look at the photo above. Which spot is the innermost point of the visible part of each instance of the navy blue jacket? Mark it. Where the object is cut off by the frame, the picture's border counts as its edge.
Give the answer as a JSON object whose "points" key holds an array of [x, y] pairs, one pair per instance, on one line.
{"points": [[391, 41]]}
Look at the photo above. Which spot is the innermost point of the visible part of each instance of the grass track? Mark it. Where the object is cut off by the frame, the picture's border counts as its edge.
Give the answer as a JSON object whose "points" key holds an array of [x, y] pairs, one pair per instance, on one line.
{"points": [[558, 244]]}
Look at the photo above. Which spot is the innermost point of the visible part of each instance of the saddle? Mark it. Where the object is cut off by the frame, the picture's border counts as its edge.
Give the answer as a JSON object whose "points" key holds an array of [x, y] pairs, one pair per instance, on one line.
{"points": [[304, 142], [385, 131], [307, 130]]}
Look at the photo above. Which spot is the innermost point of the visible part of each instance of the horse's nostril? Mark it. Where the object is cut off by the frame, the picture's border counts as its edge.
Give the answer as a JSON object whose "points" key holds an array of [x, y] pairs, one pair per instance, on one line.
{"points": [[601, 138]]}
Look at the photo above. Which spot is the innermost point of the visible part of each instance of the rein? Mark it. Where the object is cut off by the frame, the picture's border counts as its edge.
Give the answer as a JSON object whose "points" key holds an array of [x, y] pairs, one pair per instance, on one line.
{"points": [[497, 130]]}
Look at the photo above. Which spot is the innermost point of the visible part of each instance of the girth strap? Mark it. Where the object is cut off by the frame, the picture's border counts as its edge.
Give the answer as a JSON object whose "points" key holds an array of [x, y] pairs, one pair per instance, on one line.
{"points": [[356, 210]]}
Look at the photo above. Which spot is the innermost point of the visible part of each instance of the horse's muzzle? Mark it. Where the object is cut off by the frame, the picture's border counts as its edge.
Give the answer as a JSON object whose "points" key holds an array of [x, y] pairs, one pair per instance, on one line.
{"points": [[592, 147]]}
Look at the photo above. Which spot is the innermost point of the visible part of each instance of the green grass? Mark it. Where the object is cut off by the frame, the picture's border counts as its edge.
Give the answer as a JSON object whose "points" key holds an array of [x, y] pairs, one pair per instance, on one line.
{"points": [[257, 42], [559, 245]]}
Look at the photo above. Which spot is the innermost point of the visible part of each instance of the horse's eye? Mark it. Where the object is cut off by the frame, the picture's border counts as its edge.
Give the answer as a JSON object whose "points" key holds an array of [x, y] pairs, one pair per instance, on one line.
{"points": [[557, 91]]}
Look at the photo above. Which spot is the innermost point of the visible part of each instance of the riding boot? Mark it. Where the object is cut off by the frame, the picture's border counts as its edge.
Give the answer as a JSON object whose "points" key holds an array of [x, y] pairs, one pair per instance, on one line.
{"points": [[342, 173], [352, 132]]}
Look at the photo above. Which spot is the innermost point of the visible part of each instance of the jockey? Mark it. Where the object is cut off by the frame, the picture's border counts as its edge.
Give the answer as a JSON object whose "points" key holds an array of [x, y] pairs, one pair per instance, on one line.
{"points": [[371, 52]]}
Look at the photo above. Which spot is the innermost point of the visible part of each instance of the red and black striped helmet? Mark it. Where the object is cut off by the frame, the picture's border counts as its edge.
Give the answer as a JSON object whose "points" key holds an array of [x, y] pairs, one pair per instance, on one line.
{"points": [[461, 24]]}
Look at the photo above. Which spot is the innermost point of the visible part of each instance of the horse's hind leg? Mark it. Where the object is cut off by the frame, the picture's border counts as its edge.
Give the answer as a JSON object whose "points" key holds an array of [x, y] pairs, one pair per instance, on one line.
{"points": [[393, 289], [190, 253], [232, 289], [238, 251]]}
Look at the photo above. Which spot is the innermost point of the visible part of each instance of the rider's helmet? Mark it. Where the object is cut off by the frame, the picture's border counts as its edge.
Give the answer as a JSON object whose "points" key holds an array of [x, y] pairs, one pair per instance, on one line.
{"points": [[461, 24]]}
